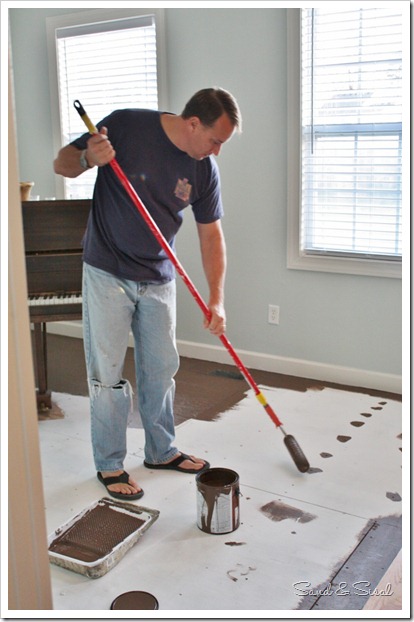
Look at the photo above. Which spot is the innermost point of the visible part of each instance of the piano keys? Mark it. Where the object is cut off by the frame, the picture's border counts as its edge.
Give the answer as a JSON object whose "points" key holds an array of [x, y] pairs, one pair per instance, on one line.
{"points": [[53, 233], [56, 306]]}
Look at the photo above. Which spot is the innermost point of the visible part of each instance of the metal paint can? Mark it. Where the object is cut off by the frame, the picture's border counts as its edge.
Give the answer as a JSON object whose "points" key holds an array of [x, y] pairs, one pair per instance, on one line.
{"points": [[218, 500], [135, 600]]}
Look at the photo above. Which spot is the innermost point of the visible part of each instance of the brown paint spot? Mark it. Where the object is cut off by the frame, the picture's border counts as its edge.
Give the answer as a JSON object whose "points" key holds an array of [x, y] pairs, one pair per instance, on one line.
{"points": [[343, 439], [393, 496], [240, 571], [376, 407], [366, 414], [314, 470], [278, 511], [382, 403], [234, 543], [324, 454], [357, 424], [399, 435]]}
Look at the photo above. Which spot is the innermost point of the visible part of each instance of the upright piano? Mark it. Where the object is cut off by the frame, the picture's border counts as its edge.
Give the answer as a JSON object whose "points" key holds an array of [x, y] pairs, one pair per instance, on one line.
{"points": [[53, 232]]}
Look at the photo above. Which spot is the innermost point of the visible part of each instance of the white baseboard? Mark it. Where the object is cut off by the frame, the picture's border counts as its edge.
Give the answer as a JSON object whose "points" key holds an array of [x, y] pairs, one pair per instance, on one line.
{"points": [[267, 362]]}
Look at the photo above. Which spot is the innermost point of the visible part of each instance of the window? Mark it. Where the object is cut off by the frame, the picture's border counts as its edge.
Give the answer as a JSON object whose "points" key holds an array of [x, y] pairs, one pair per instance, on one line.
{"points": [[107, 64], [349, 203]]}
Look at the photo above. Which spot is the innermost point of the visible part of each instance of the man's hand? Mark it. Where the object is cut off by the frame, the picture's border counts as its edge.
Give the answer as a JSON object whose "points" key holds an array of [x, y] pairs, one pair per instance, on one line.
{"points": [[217, 322], [99, 151]]}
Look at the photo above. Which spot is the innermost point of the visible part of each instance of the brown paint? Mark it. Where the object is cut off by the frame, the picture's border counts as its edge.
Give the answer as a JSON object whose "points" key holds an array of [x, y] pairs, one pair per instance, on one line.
{"points": [[343, 439], [393, 496], [325, 454], [234, 543], [240, 571], [135, 600], [278, 511], [376, 407], [357, 424], [218, 500], [96, 533], [314, 470], [366, 414]]}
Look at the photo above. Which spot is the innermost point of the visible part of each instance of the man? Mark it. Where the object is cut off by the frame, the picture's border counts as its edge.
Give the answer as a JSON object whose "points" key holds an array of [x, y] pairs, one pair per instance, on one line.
{"points": [[128, 280]]}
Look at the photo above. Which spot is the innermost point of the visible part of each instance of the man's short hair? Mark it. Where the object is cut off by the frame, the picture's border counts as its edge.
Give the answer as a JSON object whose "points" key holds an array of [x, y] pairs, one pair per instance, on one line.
{"points": [[209, 104]]}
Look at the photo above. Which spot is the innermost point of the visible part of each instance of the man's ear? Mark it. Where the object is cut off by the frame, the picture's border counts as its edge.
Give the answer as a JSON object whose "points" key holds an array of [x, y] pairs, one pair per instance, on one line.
{"points": [[194, 123]]}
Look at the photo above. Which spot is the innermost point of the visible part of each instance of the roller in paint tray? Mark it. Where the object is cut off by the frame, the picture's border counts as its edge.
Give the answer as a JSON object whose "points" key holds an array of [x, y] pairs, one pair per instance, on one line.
{"points": [[292, 445]]}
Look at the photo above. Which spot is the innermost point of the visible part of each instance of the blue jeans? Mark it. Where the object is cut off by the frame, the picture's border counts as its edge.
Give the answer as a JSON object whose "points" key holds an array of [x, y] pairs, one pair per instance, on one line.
{"points": [[112, 308]]}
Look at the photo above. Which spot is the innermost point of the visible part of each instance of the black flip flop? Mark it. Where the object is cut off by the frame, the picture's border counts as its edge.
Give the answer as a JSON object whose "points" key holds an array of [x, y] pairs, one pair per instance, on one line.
{"points": [[119, 479], [174, 465]]}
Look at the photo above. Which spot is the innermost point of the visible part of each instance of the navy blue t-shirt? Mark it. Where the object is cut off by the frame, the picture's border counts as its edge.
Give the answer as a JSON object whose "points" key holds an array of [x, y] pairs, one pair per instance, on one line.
{"points": [[167, 180]]}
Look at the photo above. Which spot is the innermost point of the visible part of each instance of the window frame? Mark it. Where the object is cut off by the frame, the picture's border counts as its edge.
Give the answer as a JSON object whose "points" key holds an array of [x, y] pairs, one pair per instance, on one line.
{"points": [[79, 18], [297, 259]]}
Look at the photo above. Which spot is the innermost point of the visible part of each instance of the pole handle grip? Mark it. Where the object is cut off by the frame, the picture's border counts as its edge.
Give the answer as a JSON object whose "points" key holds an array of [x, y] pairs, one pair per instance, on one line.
{"points": [[92, 129]]}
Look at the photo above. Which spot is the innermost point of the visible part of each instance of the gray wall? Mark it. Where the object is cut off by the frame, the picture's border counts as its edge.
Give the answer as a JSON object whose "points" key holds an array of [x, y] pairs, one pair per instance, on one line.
{"points": [[332, 319]]}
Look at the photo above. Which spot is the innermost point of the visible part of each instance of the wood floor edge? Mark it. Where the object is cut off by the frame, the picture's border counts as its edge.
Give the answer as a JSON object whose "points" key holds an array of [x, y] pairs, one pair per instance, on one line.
{"points": [[388, 592]]}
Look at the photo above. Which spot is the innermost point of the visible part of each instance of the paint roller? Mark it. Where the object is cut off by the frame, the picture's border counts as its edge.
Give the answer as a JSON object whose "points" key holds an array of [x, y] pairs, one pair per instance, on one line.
{"points": [[292, 445]]}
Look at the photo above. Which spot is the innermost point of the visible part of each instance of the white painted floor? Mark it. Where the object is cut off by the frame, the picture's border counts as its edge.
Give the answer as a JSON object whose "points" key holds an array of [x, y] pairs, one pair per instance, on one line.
{"points": [[273, 563]]}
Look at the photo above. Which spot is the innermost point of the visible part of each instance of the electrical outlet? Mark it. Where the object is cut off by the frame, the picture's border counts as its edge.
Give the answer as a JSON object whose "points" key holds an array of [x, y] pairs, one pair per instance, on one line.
{"points": [[273, 314]]}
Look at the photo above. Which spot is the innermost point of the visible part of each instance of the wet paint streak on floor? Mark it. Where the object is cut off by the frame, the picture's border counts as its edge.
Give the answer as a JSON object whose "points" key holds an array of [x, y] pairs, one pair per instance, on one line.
{"points": [[278, 511]]}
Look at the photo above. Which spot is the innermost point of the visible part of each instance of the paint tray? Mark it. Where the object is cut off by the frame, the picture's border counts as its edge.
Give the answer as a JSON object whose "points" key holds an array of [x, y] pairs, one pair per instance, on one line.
{"points": [[96, 539]]}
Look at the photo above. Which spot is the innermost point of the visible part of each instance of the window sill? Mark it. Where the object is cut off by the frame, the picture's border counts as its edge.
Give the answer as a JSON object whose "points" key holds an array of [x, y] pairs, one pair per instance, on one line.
{"points": [[344, 265]]}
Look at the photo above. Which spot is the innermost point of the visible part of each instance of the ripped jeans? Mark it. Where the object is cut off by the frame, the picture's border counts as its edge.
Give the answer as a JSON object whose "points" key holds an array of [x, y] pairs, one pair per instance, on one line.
{"points": [[112, 308]]}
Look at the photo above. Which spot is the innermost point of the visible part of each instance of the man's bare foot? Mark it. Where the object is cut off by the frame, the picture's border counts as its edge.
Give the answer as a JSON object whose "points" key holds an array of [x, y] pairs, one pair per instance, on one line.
{"points": [[123, 485], [181, 462], [189, 462]]}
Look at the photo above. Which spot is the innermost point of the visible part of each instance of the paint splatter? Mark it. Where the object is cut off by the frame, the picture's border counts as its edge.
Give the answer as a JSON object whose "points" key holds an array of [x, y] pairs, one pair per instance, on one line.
{"points": [[278, 511], [314, 470], [393, 496], [324, 454], [343, 439], [376, 407], [382, 403], [240, 571], [357, 424], [366, 414], [234, 543]]}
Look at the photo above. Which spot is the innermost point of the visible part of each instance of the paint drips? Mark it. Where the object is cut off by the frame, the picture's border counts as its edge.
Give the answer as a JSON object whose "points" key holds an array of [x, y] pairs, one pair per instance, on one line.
{"points": [[240, 571], [218, 500], [278, 511]]}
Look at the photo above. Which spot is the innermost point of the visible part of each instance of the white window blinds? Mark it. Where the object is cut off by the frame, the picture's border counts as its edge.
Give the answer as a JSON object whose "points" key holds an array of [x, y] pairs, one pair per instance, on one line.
{"points": [[351, 110], [107, 66]]}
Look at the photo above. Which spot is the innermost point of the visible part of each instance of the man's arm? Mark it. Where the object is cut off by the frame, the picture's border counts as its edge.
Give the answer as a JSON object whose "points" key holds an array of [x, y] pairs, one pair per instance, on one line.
{"points": [[99, 152], [213, 254]]}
